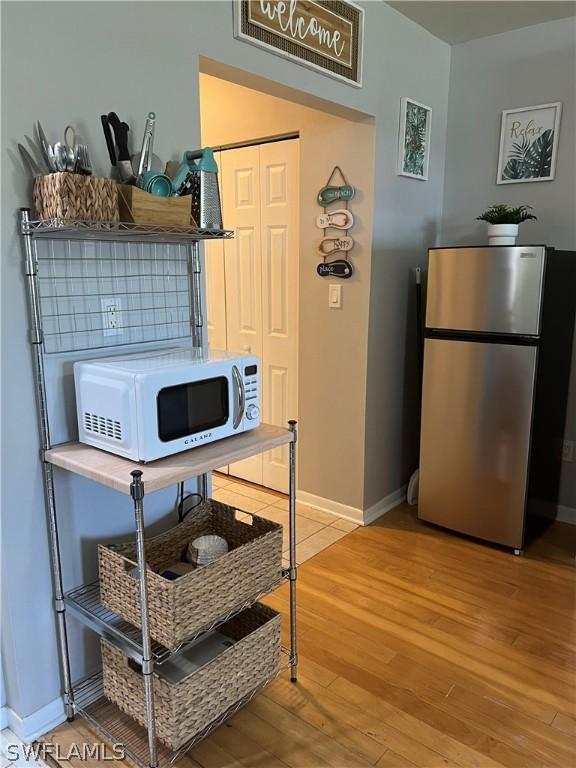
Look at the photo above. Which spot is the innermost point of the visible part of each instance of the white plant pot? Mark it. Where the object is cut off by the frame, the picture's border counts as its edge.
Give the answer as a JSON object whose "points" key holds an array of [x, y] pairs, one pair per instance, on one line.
{"points": [[502, 234]]}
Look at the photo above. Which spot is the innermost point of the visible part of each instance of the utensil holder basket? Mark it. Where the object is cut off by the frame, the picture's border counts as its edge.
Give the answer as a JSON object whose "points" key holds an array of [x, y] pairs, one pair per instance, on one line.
{"points": [[75, 197], [184, 709], [180, 609]]}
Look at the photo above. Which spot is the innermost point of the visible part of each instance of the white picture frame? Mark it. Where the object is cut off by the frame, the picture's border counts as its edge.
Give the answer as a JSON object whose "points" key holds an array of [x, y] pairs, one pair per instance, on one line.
{"points": [[529, 144], [414, 139]]}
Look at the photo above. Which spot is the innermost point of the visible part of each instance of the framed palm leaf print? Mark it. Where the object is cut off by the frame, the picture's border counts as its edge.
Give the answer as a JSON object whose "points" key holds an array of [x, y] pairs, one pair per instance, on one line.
{"points": [[414, 139], [529, 144]]}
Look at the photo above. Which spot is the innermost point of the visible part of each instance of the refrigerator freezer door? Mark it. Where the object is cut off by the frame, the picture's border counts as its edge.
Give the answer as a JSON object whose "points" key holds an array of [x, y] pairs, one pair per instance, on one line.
{"points": [[488, 290], [476, 423]]}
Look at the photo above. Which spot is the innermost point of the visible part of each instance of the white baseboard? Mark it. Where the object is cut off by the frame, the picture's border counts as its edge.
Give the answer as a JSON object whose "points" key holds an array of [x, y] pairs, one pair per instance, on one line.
{"points": [[354, 514], [344, 511], [385, 505], [28, 729], [566, 514]]}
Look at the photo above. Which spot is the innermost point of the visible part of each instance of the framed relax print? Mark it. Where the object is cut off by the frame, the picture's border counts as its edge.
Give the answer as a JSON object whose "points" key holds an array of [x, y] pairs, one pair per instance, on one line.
{"points": [[529, 144], [326, 35], [414, 139]]}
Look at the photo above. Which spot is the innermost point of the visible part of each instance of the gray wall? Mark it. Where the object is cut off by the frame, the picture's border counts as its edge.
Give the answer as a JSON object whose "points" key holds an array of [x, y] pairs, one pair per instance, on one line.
{"points": [[68, 63], [534, 65]]}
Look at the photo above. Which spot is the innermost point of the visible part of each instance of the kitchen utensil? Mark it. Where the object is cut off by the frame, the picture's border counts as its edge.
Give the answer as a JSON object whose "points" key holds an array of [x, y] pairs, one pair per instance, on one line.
{"points": [[339, 219], [156, 163], [205, 549], [145, 162], [36, 153], [330, 245], [60, 157], [123, 153], [156, 183], [86, 162], [83, 164], [206, 209], [329, 194], [47, 150], [339, 268], [70, 148], [186, 167], [29, 161], [108, 138]]}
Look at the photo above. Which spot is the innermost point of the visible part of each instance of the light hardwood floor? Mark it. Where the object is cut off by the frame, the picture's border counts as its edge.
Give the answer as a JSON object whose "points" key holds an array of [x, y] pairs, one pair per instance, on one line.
{"points": [[417, 648]]}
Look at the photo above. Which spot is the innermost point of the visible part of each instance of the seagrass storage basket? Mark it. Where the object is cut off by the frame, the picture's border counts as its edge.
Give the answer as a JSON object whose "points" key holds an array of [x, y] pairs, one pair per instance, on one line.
{"points": [[183, 709], [181, 608], [75, 197]]}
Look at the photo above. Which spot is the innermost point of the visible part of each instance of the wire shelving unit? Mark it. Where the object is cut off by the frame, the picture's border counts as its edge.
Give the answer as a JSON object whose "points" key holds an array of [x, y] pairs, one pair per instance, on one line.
{"points": [[153, 274]]}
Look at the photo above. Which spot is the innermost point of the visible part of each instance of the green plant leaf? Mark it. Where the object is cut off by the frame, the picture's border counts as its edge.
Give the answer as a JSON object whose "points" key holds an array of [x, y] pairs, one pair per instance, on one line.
{"points": [[515, 169], [538, 160], [520, 149]]}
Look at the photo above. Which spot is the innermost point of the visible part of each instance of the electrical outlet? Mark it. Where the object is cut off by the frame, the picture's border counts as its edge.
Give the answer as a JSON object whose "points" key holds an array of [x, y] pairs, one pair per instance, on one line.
{"points": [[568, 450], [111, 316]]}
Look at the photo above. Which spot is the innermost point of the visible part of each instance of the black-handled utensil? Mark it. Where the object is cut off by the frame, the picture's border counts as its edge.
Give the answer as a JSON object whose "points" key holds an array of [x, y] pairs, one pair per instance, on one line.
{"points": [[120, 134], [109, 138]]}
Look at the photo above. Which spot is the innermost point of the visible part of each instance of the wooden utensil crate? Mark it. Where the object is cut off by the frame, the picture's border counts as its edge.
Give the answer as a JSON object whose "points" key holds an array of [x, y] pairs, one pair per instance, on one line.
{"points": [[74, 197], [141, 207], [181, 608], [185, 708]]}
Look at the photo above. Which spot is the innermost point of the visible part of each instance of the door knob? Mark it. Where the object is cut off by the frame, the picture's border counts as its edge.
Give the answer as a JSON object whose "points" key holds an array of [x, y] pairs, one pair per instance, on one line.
{"points": [[247, 348]]}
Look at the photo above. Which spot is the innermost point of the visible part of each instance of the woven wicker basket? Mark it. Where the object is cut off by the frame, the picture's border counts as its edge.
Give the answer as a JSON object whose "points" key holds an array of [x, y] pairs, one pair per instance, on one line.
{"points": [[74, 197], [179, 609], [183, 709]]}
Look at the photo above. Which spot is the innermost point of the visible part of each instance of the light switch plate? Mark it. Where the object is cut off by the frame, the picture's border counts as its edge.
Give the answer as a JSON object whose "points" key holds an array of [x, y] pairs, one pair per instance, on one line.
{"points": [[335, 296]]}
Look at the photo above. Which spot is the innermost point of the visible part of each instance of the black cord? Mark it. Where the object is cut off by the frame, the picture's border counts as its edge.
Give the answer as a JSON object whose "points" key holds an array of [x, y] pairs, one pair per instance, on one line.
{"points": [[182, 498]]}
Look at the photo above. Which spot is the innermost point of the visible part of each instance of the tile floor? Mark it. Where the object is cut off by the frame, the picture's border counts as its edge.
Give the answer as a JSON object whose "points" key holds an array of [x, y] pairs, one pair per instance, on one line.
{"points": [[315, 530], [13, 754]]}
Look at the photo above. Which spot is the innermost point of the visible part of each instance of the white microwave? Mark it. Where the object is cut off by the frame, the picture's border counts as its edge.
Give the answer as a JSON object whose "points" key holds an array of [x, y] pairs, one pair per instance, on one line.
{"points": [[158, 403]]}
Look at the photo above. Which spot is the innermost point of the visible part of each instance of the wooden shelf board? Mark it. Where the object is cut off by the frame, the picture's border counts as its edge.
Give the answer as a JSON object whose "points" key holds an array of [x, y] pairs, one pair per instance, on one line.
{"points": [[114, 471]]}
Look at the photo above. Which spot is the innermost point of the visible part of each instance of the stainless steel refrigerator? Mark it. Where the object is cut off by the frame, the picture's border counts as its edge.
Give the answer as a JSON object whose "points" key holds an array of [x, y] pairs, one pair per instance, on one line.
{"points": [[497, 352]]}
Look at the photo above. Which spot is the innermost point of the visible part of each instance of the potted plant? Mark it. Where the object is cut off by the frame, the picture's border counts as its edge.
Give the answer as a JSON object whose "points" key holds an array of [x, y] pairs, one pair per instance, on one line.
{"points": [[503, 222]]}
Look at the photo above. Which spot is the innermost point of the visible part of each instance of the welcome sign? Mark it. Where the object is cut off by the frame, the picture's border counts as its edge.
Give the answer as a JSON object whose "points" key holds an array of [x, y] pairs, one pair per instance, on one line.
{"points": [[322, 34]]}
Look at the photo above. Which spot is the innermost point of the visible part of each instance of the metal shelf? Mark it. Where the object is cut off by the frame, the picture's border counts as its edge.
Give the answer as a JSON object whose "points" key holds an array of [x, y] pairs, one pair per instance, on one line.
{"points": [[116, 727], [104, 230], [86, 605]]}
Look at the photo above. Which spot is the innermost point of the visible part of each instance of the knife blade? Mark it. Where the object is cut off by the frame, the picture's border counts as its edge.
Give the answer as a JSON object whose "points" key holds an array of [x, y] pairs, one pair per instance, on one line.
{"points": [[45, 147], [36, 153], [29, 161]]}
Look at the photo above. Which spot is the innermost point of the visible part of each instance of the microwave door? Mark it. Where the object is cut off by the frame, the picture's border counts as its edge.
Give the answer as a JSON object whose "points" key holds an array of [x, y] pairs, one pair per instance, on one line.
{"points": [[239, 397], [193, 407]]}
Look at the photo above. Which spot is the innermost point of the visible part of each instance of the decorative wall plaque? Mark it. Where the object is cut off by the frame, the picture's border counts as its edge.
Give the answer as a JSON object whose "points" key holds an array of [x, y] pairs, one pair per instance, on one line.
{"points": [[322, 34]]}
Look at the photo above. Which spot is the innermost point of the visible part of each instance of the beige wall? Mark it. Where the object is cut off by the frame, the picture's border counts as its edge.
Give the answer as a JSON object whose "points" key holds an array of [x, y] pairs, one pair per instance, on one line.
{"points": [[333, 343]]}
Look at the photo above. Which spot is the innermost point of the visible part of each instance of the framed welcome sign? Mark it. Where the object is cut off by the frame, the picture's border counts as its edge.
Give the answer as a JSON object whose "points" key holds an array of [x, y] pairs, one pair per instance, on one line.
{"points": [[529, 144], [325, 35]]}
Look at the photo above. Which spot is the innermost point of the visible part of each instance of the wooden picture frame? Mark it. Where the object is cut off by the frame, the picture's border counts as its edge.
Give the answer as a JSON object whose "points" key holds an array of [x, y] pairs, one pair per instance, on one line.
{"points": [[323, 35]]}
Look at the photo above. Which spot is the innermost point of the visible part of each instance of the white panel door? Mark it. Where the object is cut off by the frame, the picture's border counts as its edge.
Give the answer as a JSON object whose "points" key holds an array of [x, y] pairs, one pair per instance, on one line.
{"points": [[243, 267], [252, 285], [279, 248]]}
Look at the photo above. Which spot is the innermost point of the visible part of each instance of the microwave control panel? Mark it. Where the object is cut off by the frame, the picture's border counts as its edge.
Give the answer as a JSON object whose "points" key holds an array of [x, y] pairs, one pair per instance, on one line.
{"points": [[251, 388]]}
